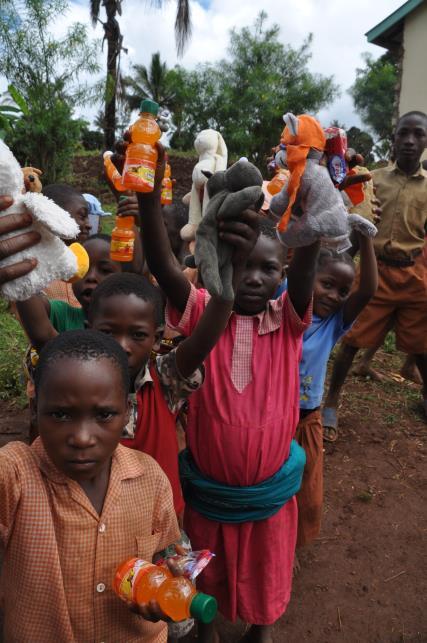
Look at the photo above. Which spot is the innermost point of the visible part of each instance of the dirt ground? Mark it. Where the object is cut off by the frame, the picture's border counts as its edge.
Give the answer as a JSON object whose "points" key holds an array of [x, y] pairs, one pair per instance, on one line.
{"points": [[365, 579]]}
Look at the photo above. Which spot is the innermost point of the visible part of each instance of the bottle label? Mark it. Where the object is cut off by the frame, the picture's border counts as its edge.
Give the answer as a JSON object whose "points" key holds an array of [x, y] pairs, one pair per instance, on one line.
{"points": [[127, 583], [166, 197], [138, 174], [122, 247]]}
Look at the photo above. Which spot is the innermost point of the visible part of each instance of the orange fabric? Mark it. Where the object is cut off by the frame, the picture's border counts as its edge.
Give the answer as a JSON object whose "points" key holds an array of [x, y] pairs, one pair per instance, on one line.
{"points": [[310, 135], [60, 555], [62, 291], [401, 300], [309, 435]]}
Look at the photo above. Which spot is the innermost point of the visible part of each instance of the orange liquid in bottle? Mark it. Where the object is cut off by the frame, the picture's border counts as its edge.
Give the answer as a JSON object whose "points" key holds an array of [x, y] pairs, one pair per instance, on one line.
{"points": [[166, 196], [141, 153], [122, 239], [277, 182], [113, 173]]}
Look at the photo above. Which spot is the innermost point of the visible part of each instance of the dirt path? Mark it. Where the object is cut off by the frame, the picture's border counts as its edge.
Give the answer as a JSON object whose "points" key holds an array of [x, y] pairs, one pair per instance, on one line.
{"points": [[365, 580]]}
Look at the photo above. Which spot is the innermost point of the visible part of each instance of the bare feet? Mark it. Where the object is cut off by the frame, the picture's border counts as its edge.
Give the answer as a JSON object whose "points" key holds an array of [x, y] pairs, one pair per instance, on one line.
{"points": [[364, 370], [258, 634], [409, 371]]}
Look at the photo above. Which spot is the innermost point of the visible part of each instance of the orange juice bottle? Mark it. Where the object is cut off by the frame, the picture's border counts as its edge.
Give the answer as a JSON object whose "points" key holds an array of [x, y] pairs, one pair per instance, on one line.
{"points": [[141, 153], [166, 196], [278, 181], [113, 173], [137, 582], [122, 239]]}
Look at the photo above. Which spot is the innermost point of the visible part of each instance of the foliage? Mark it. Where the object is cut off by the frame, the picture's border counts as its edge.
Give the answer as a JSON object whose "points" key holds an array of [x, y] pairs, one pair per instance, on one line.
{"points": [[373, 95], [153, 82], [13, 344], [245, 97], [362, 142], [91, 139], [12, 106], [46, 71]]}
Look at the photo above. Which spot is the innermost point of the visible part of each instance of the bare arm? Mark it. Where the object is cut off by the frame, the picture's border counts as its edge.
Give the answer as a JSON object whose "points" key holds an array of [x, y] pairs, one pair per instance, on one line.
{"points": [[301, 275], [368, 280], [34, 315]]}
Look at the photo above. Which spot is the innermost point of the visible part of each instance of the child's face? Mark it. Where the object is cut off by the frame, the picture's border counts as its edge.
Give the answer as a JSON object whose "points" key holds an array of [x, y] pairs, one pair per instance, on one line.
{"points": [[263, 273], [79, 210], [81, 412], [100, 266], [132, 323], [410, 139], [332, 287]]}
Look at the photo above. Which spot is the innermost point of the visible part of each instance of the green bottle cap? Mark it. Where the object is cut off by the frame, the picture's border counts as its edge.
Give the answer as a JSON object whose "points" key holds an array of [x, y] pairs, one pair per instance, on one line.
{"points": [[149, 107], [203, 607]]}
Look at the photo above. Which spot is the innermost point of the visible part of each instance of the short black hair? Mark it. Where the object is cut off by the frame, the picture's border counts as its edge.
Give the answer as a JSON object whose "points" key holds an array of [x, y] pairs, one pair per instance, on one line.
{"points": [[329, 255], [267, 228], [127, 283], [84, 345], [61, 194], [178, 212], [412, 113], [98, 235]]}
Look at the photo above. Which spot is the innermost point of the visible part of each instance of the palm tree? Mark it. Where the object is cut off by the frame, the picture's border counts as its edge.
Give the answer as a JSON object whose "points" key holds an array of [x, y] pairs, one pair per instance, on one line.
{"points": [[149, 82], [114, 40]]}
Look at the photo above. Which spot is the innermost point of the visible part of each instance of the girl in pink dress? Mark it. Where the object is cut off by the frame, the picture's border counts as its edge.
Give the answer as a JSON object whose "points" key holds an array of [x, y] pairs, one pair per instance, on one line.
{"points": [[243, 419]]}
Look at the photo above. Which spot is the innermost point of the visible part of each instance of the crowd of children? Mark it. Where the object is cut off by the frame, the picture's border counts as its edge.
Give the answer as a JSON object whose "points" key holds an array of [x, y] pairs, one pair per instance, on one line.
{"points": [[105, 478]]}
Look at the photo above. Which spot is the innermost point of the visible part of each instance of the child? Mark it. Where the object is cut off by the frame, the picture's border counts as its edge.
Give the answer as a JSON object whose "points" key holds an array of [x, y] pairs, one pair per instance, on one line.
{"points": [[242, 421], [76, 504], [129, 308], [334, 311], [95, 212], [43, 319], [402, 273]]}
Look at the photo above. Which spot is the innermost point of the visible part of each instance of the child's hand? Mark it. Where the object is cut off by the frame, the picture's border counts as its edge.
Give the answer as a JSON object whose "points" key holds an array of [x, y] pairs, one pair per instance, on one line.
{"points": [[128, 207], [11, 246], [119, 155], [151, 611], [241, 234]]}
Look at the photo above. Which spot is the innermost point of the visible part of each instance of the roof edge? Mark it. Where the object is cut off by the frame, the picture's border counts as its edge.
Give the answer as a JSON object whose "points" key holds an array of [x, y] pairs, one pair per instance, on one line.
{"points": [[392, 20]]}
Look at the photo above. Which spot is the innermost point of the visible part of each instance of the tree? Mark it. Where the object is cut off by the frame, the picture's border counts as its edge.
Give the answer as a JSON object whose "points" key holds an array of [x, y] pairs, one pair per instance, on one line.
{"points": [[153, 83], [114, 40], [362, 142], [46, 72], [245, 96], [373, 94]]}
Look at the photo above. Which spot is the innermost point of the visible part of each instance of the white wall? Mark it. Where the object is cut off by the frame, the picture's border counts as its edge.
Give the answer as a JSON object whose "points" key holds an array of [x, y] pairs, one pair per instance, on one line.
{"points": [[413, 93]]}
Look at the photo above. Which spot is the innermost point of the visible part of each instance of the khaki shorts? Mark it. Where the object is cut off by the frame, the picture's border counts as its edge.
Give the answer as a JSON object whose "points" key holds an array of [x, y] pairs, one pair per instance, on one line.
{"points": [[401, 303]]}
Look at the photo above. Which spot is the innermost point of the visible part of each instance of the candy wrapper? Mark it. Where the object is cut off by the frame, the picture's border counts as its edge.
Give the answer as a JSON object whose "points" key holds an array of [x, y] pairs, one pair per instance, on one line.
{"points": [[191, 563]]}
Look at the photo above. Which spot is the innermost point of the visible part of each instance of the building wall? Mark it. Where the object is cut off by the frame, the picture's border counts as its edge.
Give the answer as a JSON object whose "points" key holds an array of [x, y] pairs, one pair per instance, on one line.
{"points": [[413, 93]]}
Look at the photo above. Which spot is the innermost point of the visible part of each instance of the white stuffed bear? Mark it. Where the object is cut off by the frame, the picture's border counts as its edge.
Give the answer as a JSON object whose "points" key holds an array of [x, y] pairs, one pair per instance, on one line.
{"points": [[324, 215], [54, 259], [213, 157]]}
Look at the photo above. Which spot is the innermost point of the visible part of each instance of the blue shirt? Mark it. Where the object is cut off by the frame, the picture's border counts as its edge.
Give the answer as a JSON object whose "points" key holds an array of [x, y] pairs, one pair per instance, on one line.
{"points": [[317, 344]]}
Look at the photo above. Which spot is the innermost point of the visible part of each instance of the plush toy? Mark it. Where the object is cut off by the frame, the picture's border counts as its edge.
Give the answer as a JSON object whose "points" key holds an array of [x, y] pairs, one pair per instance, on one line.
{"points": [[213, 156], [230, 192], [32, 181], [323, 213], [54, 259]]}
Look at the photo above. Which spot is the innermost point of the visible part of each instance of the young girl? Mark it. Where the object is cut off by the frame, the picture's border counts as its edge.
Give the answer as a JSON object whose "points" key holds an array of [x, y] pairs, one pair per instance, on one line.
{"points": [[242, 421], [335, 307]]}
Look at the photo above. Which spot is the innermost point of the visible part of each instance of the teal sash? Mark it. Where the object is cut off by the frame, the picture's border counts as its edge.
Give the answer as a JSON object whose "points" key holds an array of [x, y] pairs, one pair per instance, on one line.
{"points": [[230, 504]]}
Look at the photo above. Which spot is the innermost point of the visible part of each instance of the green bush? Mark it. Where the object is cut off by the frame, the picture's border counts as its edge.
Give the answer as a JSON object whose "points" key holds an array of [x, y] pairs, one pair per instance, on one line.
{"points": [[13, 343]]}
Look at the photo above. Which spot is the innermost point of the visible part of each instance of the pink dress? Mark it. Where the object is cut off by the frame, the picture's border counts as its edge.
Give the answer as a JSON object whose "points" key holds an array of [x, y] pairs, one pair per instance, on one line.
{"points": [[240, 425]]}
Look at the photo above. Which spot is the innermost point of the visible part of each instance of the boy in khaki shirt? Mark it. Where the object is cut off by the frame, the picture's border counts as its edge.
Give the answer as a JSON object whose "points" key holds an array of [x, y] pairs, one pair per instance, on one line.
{"points": [[402, 284]]}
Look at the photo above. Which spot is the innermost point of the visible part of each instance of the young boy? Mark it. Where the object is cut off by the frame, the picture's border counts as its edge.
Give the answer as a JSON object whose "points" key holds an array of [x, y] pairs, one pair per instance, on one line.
{"points": [[402, 191], [76, 504]]}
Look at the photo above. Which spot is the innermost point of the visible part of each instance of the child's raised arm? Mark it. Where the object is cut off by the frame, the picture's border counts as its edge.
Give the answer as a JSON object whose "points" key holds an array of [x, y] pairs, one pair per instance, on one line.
{"points": [[301, 275], [368, 283], [34, 315], [191, 353]]}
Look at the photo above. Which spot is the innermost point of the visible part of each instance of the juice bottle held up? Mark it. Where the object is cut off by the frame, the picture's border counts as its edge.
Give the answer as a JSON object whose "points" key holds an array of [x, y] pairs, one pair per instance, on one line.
{"points": [[166, 196], [137, 582], [278, 181], [112, 172], [122, 239], [141, 153]]}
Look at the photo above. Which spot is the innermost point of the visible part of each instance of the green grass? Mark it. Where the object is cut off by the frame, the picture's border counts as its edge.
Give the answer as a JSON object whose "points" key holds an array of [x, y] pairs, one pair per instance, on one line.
{"points": [[13, 344]]}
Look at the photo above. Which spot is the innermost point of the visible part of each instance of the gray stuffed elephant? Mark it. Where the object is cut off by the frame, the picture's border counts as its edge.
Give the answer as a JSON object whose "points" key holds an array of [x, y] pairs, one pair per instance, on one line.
{"points": [[230, 192]]}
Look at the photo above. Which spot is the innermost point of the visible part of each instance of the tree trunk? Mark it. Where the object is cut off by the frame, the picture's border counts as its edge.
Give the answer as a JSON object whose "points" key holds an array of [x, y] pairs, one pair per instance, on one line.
{"points": [[114, 43]]}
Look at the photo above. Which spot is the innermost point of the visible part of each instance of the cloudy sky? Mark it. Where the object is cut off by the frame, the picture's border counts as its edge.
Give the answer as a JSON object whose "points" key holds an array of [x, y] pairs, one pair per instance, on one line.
{"points": [[338, 28]]}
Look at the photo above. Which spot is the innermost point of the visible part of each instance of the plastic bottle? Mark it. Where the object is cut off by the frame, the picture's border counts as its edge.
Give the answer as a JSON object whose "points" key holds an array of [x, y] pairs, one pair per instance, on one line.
{"points": [[277, 182], [141, 153], [137, 582], [122, 239], [166, 196], [113, 173]]}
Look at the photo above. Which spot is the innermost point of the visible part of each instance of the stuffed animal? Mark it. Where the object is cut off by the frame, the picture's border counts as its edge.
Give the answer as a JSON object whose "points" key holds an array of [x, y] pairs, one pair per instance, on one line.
{"points": [[323, 214], [32, 181], [230, 192], [213, 156], [54, 259]]}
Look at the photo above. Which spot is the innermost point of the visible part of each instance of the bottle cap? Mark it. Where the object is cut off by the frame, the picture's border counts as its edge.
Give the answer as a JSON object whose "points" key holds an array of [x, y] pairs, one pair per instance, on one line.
{"points": [[125, 222], [149, 107], [203, 607]]}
